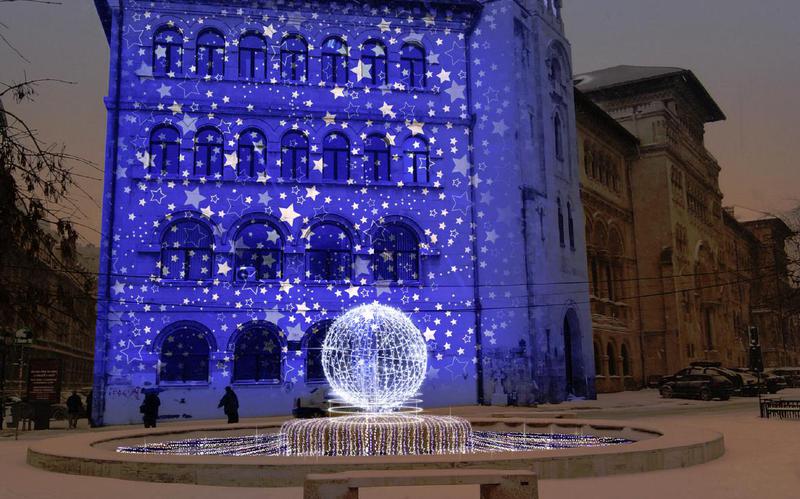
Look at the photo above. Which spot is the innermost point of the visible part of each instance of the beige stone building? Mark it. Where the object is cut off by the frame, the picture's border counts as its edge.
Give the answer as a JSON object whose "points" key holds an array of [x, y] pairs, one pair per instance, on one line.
{"points": [[675, 278], [774, 308], [606, 153]]}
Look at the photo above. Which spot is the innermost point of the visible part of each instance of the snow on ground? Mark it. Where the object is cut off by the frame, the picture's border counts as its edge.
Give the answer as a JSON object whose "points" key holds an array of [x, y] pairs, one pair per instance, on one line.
{"points": [[762, 460]]}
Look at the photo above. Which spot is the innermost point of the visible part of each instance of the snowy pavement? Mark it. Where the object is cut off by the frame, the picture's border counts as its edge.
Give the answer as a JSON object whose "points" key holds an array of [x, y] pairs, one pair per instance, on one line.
{"points": [[762, 460]]}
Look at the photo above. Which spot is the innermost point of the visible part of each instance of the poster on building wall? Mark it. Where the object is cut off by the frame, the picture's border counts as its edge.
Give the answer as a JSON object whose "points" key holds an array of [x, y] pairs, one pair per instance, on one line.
{"points": [[44, 380]]}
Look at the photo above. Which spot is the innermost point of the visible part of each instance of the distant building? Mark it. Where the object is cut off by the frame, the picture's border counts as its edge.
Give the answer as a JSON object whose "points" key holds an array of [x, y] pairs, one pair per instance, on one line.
{"points": [[273, 163], [606, 153], [674, 277], [54, 299], [774, 305]]}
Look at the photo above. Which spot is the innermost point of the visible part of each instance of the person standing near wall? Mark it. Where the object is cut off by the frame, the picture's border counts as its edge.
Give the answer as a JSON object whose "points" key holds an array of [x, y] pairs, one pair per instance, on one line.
{"points": [[74, 408], [149, 409], [230, 404]]}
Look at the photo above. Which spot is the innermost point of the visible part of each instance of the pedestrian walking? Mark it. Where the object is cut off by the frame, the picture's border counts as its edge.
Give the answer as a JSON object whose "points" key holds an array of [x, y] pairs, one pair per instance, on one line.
{"points": [[149, 409], [74, 408], [230, 404]]}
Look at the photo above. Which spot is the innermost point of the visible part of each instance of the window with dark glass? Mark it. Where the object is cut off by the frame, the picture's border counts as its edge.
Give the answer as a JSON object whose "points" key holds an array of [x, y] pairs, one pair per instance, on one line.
{"points": [[184, 356], [412, 66], [598, 363], [252, 153], [558, 137], [252, 57], [210, 58], [612, 359], [378, 158], [376, 62], [570, 226], [294, 59], [187, 251], [257, 355], [416, 162], [396, 256], [334, 61], [294, 155], [328, 253], [165, 149], [626, 361], [258, 250], [560, 223], [336, 157], [167, 52], [208, 152], [315, 337]]}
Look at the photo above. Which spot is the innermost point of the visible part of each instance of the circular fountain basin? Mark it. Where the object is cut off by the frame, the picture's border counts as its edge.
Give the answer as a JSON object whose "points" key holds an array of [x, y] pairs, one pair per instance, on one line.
{"points": [[613, 448]]}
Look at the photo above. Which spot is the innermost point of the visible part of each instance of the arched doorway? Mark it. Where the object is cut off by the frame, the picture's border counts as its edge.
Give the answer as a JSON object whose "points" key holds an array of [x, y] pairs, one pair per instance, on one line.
{"points": [[575, 384]]}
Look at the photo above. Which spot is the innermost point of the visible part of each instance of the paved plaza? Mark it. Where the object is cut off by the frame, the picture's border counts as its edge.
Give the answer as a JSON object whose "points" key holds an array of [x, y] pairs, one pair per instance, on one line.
{"points": [[761, 459]]}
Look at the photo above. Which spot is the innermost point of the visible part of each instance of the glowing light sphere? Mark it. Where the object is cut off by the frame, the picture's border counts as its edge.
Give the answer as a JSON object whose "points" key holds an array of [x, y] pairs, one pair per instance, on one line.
{"points": [[374, 358]]}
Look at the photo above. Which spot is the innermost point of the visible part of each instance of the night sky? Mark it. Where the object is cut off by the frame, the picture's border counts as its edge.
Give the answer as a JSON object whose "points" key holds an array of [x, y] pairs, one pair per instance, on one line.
{"points": [[747, 53]]}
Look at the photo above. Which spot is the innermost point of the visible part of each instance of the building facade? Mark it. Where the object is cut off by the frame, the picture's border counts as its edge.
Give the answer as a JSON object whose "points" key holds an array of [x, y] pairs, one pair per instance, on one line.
{"points": [[606, 153], [675, 278], [774, 306], [272, 164]]}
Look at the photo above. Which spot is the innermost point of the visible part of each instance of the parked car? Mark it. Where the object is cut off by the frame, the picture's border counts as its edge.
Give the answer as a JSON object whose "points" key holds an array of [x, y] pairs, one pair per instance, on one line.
{"points": [[708, 368], [769, 382], [702, 386], [790, 374], [314, 405]]}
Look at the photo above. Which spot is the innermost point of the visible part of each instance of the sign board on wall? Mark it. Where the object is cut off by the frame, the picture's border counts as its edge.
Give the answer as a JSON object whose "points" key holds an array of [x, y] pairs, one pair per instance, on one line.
{"points": [[44, 380]]}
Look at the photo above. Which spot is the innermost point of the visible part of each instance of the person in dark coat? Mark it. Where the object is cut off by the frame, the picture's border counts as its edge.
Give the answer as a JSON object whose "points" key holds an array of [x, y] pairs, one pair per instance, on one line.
{"points": [[149, 409], [74, 408], [230, 404]]}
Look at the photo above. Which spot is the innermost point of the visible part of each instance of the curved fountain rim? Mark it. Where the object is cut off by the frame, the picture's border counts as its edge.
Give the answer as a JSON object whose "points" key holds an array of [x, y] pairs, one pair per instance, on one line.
{"points": [[85, 447]]}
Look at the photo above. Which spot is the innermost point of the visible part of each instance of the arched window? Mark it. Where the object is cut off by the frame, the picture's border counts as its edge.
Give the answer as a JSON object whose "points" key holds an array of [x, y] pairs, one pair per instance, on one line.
{"points": [[184, 355], [328, 253], [165, 149], [560, 223], [412, 66], [187, 251], [416, 164], [626, 360], [251, 153], [294, 59], [294, 155], [334, 61], [611, 352], [208, 152], [257, 354], [598, 360], [570, 226], [210, 58], [377, 155], [336, 157], [396, 256], [258, 250], [558, 137], [556, 73], [315, 336], [167, 52], [375, 61], [252, 56]]}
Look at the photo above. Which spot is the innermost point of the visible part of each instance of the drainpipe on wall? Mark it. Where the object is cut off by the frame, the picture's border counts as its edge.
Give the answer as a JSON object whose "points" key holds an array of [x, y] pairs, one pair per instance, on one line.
{"points": [[474, 226]]}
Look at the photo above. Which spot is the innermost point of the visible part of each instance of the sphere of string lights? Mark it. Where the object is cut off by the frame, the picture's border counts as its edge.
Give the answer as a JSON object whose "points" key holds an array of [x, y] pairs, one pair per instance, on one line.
{"points": [[374, 358]]}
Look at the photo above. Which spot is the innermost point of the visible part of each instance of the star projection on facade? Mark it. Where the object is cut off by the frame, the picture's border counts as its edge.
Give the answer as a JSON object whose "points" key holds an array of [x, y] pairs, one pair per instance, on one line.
{"points": [[276, 164]]}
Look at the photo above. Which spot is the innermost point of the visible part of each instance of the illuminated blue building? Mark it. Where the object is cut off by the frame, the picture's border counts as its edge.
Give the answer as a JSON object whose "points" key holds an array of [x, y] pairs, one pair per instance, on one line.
{"points": [[273, 163]]}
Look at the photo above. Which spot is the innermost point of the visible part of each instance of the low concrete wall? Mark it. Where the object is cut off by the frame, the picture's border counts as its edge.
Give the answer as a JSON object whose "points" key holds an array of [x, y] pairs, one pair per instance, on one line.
{"points": [[93, 454]]}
